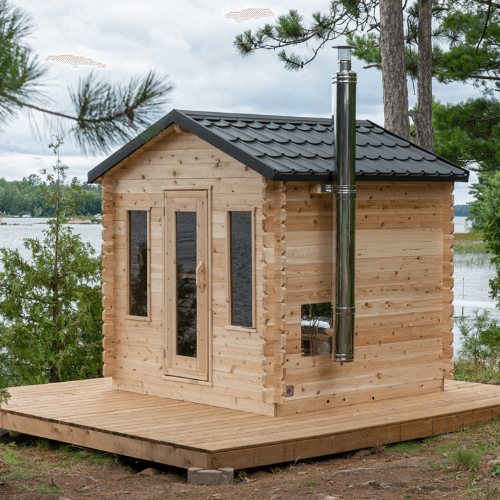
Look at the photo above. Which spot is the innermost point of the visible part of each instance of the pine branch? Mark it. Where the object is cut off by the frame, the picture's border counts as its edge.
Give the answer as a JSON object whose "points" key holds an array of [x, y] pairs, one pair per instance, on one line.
{"points": [[345, 17], [108, 114]]}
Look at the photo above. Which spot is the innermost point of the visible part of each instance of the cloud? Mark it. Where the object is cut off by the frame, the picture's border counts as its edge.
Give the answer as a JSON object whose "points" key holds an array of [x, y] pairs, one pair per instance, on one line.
{"points": [[248, 14], [75, 61]]}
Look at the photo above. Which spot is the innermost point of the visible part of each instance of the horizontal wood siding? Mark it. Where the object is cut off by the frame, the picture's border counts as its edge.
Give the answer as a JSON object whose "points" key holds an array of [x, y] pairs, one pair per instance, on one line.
{"points": [[403, 326], [241, 376]]}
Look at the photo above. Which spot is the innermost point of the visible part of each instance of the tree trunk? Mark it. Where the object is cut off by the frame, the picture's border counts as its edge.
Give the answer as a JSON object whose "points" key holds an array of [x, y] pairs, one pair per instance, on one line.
{"points": [[394, 68], [422, 118]]}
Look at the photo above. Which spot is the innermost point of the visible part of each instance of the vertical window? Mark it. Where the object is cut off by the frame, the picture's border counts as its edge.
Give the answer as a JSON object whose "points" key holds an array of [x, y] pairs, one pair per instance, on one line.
{"points": [[241, 258], [138, 262]]}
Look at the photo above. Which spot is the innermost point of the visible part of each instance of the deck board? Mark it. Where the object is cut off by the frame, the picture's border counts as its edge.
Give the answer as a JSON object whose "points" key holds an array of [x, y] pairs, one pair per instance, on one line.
{"points": [[91, 413]]}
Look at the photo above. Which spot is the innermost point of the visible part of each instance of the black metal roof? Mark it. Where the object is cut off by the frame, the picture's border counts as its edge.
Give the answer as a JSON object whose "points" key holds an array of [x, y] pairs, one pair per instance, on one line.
{"points": [[297, 148]]}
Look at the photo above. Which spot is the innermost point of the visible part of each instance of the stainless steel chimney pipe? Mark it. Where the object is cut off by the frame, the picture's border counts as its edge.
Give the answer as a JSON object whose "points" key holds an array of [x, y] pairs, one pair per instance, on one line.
{"points": [[344, 193]]}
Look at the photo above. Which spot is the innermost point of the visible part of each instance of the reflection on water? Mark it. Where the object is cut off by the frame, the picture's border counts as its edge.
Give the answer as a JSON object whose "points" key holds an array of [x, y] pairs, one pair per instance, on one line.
{"points": [[138, 223]]}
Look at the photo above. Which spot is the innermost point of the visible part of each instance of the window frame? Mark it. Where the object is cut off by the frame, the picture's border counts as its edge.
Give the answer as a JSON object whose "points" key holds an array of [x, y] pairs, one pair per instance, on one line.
{"points": [[229, 281], [127, 228]]}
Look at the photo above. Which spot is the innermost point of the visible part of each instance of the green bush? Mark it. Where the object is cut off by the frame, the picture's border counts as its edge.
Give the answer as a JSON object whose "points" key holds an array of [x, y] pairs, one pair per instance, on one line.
{"points": [[479, 358], [480, 339]]}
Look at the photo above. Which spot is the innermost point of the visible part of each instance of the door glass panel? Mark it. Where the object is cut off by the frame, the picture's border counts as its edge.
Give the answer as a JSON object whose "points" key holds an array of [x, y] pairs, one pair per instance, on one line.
{"points": [[241, 269], [186, 283]]}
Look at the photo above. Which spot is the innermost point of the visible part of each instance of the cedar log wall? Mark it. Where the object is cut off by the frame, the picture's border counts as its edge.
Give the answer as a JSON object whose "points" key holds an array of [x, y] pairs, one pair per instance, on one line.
{"points": [[404, 239], [404, 255], [241, 359]]}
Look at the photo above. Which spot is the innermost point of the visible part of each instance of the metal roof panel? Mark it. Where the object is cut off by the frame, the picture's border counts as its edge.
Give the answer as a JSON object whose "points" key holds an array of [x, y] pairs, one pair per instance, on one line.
{"points": [[300, 148]]}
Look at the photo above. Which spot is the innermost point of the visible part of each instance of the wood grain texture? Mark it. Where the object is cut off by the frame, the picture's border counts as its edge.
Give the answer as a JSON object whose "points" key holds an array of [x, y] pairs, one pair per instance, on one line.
{"points": [[404, 240], [91, 413], [401, 302], [108, 272], [182, 161]]}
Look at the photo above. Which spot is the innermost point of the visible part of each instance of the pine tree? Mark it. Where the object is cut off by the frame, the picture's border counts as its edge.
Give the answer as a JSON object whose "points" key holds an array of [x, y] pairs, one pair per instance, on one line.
{"points": [[394, 41]]}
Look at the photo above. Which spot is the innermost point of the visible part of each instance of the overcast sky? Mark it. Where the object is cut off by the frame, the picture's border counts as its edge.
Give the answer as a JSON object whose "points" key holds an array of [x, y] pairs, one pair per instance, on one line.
{"points": [[191, 41]]}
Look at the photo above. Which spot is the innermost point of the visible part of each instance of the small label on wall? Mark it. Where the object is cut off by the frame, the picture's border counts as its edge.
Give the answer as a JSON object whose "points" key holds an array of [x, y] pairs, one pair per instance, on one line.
{"points": [[289, 391]]}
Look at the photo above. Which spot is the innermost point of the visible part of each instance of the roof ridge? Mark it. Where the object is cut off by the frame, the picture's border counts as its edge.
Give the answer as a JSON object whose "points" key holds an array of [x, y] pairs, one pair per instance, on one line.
{"points": [[253, 116]]}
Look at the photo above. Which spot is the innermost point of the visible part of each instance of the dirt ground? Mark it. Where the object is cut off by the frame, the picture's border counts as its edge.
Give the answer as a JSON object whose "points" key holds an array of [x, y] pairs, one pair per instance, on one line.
{"points": [[455, 466]]}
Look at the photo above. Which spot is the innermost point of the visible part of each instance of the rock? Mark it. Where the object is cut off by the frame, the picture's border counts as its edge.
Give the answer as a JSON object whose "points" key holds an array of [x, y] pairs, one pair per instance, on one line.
{"points": [[150, 472], [85, 453], [86, 488], [363, 453], [373, 484], [197, 475], [302, 473]]}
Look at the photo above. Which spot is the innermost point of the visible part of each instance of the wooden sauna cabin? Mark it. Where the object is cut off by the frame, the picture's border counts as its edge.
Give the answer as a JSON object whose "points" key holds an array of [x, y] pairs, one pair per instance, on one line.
{"points": [[218, 264]]}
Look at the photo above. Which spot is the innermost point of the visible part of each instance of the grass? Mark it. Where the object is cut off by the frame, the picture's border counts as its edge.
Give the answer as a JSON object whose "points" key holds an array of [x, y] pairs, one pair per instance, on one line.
{"points": [[469, 243], [467, 459], [470, 371], [25, 464], [405, 447], [53, 488], [313, 482], [470, 250]]}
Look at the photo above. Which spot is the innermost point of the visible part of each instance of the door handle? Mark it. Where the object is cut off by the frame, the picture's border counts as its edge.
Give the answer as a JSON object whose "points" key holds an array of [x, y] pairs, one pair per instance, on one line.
{"points": [[200, 282]]}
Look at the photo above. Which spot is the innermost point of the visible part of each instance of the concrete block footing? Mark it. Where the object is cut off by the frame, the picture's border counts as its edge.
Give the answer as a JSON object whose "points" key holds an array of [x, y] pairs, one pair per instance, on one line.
{"points": [[197, 475]]}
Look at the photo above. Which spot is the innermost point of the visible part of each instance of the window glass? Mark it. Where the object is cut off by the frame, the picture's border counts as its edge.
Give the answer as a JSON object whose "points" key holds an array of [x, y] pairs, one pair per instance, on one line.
{"points": [[241, 269], [186, 284], [138, 251]]}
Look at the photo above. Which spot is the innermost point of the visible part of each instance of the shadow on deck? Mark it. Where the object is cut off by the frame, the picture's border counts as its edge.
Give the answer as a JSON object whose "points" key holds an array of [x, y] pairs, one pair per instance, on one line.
{"points": [[91, 413]]}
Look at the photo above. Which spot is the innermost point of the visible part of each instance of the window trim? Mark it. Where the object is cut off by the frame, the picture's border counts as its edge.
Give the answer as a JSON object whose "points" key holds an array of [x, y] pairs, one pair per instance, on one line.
{"points": [[229, 281], [127, 228]]}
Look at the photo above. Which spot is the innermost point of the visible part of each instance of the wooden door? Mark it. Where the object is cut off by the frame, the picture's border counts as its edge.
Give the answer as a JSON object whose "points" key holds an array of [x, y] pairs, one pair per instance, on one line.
{"points": [[187, 279]]}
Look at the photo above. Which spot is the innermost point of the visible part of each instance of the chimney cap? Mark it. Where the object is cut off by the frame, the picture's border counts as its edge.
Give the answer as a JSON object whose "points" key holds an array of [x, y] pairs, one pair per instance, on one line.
{"points": [[344, 52]]}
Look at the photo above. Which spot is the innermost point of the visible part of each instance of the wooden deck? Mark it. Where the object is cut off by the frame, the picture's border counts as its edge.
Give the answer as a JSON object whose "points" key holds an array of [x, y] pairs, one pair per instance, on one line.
{"points": [[90, 413]]}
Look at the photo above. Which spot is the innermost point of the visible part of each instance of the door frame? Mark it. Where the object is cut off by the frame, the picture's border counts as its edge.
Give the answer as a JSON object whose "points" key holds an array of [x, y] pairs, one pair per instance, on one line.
{"points": [[170, 372]]}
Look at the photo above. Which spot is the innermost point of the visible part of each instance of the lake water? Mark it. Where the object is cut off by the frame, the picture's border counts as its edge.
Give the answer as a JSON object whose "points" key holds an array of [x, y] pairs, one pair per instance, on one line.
{"points": [[471, 274]]}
